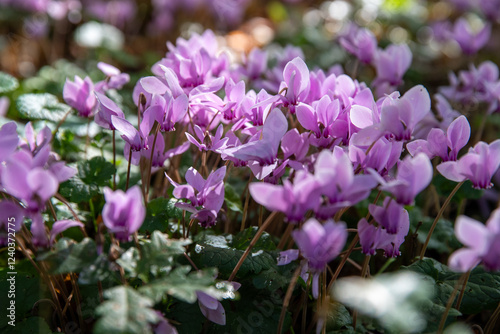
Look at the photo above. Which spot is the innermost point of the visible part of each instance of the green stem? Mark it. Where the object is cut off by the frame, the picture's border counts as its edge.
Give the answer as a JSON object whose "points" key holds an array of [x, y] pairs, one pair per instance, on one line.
{"points": [[440, 213]]}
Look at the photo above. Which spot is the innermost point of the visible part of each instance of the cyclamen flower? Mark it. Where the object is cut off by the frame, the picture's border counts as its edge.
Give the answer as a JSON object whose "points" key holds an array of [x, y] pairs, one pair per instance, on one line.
{"points": [[297, 82], [294, 200], [478, 165], [470, 41], [391, 64], [124, 212], [439, 144], [482, 243], [205, 196], [115, 79], [263, 151], [335, 178], [398, 117], [211, 308], [8, 140], [360, 42], [413, 175], [394, 225], [11, 218], [106, 109], [207, 141], [80, 95], [320, 244]]}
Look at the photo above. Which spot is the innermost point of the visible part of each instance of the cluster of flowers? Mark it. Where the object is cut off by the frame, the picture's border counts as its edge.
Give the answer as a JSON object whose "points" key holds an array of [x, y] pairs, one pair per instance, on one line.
{"points": [[30, 174], [344, 143]]}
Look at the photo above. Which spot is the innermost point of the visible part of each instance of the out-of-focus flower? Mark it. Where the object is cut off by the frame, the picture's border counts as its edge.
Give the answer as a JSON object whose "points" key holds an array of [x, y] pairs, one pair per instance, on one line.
{"points": [[115, 79], [80, 95], [360, 42], [11, 218], [391, 64], [320, 244], [478, 165], [106, 109], [61, 226], [124, 212], [8, 140], [470, 41], [482, 243]]}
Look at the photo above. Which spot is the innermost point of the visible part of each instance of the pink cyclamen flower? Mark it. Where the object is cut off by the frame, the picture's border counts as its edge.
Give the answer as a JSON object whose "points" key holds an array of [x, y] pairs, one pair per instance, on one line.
{"points": [[482, 243], [392, 63], [106, 108], [444, 146], [294, 200], [8, 140], [205, 196], [360, 42], [470, 41], [124, 212], [80, 95], [478, 165], [320, 244], [414, 175]]}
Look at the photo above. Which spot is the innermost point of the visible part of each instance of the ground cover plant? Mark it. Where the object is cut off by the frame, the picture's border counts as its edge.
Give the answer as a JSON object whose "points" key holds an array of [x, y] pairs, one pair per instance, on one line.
{"points": [[279, 167]]}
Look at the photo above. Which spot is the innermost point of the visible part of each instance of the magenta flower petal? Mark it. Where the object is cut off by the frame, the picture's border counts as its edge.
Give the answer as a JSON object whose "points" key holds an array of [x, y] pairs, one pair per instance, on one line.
{"points": [[123, 213], [61, 226]]}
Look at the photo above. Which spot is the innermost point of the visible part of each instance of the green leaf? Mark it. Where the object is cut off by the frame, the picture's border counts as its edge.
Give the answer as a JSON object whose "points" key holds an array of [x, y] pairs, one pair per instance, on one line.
{"points": [[69, 256], [338, 317], [7, 83], [28, 290], [215, 251], [36, 325], [242, 240], [180, 284], [482, 291], [96, 171], [41, 106], [125, 311], [444, 187], [99, 270], [129, 260], [189, 316], [158, 254], [232, 198], [76, 191], [159, 212], [443, 238]]}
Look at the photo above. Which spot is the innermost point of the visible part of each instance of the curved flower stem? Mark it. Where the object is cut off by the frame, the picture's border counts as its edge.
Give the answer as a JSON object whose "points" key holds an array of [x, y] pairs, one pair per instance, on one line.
{"points": [[288, 296], [252, 243], [285, 236], [490, 325], [114, 160], [440, 213], [461, 295], [151, 164], [245, 207], [344, 260], [128, 169], [61, 122], [65, 202], [450, 301]]}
